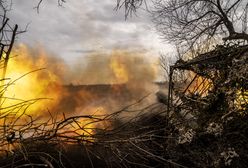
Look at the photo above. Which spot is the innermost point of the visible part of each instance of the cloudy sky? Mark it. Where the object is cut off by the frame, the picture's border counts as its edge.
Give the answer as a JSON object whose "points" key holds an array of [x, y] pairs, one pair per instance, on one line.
{"points": [[81, 27]]}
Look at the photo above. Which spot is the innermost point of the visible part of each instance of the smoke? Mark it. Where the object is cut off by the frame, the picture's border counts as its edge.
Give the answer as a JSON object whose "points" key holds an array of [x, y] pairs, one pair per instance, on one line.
{"points": [[117, 67], [115, 80], [103, 83]]}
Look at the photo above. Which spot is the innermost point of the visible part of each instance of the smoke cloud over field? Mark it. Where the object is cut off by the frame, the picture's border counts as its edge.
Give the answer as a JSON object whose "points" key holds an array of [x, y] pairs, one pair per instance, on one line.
{"points": [[104, 82]]}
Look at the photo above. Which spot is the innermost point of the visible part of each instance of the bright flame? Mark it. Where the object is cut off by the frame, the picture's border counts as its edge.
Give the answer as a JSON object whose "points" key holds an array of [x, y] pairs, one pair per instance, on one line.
{"points": [[85, 126], [130, 75], [26, 85], [119, 68], [200, 85]]}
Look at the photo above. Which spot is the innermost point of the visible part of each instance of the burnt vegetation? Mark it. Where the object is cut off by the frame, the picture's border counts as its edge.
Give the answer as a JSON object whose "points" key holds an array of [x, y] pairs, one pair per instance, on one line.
{"points": [[202, 122]]}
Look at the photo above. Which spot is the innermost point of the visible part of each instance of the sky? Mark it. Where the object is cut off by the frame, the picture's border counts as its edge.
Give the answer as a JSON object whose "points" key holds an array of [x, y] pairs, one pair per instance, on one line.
{"points": [[80, 27]]}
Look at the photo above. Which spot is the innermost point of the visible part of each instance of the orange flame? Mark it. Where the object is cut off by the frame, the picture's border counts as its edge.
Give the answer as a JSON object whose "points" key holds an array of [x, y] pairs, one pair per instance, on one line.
{"points": [[119, 68], [25, 83], [127, 72], [200, 85]]}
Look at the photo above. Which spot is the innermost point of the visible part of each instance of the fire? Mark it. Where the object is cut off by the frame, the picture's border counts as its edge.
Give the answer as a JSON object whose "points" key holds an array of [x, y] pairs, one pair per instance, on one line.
{"points": [[118, 67], [200, 85], [84, 127], [27, 81], [32, 74]]}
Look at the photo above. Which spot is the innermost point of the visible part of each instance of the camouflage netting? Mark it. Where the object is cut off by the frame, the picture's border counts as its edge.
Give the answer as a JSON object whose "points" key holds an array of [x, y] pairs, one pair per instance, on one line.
{"points": [[213, 112]]}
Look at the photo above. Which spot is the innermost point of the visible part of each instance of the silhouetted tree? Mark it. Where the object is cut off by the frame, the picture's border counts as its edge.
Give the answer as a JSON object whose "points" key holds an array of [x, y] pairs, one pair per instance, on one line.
{"points": [[8, 33], [190, 22]]}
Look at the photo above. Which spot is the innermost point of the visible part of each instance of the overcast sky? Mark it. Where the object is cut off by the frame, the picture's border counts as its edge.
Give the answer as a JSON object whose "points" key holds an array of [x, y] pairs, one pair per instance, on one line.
{"points": [[81, 27]]}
